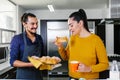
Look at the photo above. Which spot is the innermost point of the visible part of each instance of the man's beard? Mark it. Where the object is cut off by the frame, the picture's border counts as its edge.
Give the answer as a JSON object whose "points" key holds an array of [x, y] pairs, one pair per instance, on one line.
{"points": [[32, 33]]}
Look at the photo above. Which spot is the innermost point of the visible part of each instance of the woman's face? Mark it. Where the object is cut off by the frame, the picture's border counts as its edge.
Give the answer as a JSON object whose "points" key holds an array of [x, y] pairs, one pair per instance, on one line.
{"points": [[74, 26]]}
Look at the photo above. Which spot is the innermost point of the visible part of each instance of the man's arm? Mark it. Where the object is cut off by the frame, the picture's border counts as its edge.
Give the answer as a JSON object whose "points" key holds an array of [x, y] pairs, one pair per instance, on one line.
{"points": [[18, 63]]}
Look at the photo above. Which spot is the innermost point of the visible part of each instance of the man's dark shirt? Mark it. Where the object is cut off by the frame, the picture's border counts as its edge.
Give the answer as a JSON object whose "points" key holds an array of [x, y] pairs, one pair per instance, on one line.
{"points": [[17, 46]]}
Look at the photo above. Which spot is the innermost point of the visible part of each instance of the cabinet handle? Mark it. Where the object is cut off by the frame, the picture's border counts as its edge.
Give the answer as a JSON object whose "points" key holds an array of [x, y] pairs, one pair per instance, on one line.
{"points": [[6, 76], [14, 71]]}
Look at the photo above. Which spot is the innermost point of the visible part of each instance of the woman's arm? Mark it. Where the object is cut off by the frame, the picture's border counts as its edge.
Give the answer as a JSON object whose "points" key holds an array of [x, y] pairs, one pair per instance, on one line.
{"points": [[101, 54]]}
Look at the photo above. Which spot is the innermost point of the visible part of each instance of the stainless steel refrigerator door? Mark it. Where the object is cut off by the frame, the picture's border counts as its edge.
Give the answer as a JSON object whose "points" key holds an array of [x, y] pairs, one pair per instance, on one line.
{"points": [[91, 26], [54, 29]]}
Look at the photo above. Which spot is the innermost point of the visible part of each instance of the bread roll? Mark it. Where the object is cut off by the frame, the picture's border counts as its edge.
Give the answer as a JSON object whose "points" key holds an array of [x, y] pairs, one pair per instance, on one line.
{"points": [[35, 62], [49, 60], [62, 39], [45, 67], [49, 67], [45, 62]]}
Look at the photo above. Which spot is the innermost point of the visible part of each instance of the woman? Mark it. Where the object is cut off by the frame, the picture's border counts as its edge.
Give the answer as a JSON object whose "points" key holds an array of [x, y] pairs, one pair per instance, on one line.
{"points": [[85, 47]]}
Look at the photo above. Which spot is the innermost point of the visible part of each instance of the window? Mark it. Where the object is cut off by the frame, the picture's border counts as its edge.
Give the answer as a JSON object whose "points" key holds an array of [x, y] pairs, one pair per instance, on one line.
{"points": [[6, 35], [7, 21]]}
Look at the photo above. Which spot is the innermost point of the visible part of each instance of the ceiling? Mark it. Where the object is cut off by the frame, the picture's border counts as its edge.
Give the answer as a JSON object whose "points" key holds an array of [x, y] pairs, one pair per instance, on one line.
{"points": [[62, 4]]}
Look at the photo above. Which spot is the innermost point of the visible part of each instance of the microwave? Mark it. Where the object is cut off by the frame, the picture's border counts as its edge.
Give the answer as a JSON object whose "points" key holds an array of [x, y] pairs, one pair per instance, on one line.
{"points": [[3, 54]]}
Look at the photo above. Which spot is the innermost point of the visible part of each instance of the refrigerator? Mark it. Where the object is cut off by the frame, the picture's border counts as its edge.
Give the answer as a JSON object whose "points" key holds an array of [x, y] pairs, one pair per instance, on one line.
{"points": [[57, 29]]}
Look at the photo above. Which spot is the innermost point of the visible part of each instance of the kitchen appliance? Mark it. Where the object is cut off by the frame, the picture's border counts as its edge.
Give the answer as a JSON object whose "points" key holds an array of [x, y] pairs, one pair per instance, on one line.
{"points": [[3, 54], [57, 29], [117, 39], [91, 26]]}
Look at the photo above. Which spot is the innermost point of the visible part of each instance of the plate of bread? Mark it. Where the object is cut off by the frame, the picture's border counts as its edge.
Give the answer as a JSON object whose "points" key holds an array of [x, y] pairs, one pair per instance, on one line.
{"points": [[45, 62]]}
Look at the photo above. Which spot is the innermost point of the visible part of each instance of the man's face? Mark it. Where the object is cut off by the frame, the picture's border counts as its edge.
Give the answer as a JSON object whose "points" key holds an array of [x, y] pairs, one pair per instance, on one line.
{"points": [[31, 25]]}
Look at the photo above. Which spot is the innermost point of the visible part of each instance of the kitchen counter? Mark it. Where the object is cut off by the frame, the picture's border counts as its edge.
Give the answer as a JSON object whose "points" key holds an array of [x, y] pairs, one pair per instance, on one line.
{"points": [[4, 67], [6, 71], [58, 78]]}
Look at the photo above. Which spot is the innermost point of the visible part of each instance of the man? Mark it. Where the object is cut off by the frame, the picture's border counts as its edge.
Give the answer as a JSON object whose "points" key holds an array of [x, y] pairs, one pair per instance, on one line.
{"points": [[26, 44]]}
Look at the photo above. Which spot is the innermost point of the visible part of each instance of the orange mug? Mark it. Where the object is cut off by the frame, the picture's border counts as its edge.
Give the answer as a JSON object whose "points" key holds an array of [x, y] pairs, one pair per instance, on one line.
{"points": [[74, 66]]}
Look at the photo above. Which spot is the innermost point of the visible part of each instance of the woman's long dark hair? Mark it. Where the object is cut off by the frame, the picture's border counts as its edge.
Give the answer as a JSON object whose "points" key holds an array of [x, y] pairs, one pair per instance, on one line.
{"points": [[80, 15]]}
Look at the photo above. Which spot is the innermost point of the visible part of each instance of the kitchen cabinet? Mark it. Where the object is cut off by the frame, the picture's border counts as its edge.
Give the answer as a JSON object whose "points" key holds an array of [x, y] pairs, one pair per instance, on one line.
{"points": [[104, 74], [11, 74]]}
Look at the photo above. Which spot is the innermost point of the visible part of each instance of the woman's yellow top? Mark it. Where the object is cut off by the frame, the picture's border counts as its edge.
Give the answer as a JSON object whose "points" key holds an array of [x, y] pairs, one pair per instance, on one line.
{"points": [[87, 50]]}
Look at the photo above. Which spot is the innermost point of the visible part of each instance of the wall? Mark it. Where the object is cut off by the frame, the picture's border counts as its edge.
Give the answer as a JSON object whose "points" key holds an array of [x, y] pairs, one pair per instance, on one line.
{"points": [[20, 11], [63, 14]]}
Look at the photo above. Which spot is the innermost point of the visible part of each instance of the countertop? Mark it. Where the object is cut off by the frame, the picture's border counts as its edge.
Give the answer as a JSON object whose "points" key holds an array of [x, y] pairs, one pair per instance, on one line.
{"points": [[4, 67]]}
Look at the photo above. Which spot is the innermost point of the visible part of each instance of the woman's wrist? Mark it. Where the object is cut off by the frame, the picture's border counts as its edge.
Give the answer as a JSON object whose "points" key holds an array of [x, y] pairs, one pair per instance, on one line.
{"points": [[59, 47], [90, 69]]}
